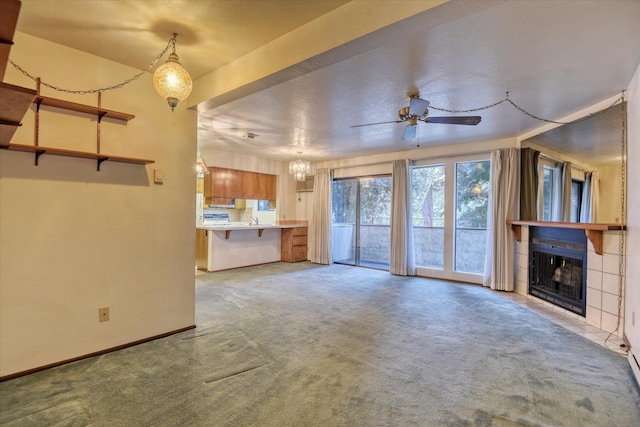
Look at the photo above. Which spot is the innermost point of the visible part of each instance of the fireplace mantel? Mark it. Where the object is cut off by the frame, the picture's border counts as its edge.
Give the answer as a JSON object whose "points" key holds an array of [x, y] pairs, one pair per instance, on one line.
{"points": [[593, 231]]}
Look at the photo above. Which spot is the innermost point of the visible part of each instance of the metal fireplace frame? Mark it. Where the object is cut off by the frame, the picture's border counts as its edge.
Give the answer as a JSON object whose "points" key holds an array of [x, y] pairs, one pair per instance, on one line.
{"points": [[564, 242]]}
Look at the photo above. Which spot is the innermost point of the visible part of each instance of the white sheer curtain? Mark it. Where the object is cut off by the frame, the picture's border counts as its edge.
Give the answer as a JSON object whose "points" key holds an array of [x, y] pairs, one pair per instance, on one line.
{"points": [[589, 198], [320, 226], [402, 262], [499, 260], [561, 195]]}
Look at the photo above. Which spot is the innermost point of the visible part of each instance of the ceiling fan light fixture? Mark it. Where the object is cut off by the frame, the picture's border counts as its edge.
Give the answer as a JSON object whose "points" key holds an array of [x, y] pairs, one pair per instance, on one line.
{"points": [[299, 168], [171, 80]]}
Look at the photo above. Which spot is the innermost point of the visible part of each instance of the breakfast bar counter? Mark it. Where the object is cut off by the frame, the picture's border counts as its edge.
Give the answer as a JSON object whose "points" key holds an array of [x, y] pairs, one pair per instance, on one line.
{"points": [[233, 245]]}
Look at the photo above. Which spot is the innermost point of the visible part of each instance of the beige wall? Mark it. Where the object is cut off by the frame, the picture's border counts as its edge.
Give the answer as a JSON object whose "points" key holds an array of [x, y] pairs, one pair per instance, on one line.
{"points": [[632, 305], [609, 202], [73, 239]]}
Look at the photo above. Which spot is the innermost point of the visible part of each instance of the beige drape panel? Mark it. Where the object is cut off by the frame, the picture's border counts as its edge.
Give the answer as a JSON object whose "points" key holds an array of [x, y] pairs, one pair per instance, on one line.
{"points": [[402, 262], [529, 183], [320, 226], [499, 260]]}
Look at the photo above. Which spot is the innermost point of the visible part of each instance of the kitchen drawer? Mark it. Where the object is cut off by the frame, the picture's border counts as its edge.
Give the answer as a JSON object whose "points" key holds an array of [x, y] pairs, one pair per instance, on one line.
{"points": [[299, 240], [294, 244], [299, 253], [300, 231]]}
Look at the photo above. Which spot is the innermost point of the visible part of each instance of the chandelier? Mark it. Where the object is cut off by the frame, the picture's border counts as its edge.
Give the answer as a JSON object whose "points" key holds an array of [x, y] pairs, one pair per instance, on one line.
{"points": [[299, 168], [171, 80]]}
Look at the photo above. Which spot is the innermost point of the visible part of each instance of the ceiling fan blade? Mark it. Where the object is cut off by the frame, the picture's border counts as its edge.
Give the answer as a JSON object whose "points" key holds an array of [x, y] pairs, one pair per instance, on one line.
{"points": [[409, 132], [460, 120], [417, 106], [379, 123]]}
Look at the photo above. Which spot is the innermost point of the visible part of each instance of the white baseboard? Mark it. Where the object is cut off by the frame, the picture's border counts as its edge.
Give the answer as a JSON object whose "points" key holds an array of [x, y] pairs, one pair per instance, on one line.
{"points": [[635, 367]]}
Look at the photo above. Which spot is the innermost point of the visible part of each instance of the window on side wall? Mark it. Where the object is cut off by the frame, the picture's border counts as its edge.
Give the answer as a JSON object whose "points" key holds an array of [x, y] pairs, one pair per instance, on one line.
{"points": [[576, 199]]}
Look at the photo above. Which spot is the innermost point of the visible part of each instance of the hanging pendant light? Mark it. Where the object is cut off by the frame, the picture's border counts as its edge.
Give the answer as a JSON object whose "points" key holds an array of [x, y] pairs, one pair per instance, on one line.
{"points": [[299, 168], [171, 80]]}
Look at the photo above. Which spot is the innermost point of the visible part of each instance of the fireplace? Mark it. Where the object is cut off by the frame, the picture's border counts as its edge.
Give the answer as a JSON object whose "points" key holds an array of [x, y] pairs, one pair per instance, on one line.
{"points": [[558, 267]]}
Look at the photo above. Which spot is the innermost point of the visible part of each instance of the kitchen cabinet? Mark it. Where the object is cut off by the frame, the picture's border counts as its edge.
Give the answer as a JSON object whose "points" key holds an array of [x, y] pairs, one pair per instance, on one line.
{"points": [[266, 187], [202, 249], [293, 244], [221, 185]]}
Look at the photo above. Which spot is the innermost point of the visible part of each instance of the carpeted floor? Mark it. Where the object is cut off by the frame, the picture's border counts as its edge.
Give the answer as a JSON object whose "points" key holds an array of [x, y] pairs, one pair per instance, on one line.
{"points": [[308, 345]]}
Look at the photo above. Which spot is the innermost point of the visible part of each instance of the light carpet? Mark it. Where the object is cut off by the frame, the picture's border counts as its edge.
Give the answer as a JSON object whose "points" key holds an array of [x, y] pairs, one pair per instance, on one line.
{"points": [[308, 345]]}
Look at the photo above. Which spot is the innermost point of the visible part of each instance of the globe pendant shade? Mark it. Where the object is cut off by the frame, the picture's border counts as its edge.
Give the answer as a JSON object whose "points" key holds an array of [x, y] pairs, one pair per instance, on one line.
{"points": [[172, 81]]}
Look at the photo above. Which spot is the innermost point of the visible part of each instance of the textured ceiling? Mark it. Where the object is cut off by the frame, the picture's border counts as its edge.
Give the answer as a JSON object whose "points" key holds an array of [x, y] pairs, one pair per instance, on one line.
{"points": [[553, 57], [595, 139], [211, 33]]}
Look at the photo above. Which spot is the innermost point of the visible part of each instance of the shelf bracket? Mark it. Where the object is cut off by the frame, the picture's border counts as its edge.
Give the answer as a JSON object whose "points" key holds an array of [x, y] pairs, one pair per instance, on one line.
{"points": [[101, 115], [595, 237], [38, 104], [100, 161], [260, 230], [38, 154], [7, 42], [8, 123], [227, 233], [517, 231]]}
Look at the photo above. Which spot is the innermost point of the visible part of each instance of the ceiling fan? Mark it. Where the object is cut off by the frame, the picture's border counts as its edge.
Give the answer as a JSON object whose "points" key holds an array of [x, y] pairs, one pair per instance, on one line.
{"points": [[418, 111]]}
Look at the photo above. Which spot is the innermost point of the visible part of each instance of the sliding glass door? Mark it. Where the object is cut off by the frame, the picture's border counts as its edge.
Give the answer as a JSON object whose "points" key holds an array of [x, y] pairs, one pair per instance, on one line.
{"points": [[361, 221], [450, 207]]}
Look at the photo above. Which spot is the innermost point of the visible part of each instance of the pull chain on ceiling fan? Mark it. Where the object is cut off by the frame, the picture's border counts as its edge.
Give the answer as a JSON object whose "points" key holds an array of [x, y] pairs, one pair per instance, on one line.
{"points": [[418, 110]]}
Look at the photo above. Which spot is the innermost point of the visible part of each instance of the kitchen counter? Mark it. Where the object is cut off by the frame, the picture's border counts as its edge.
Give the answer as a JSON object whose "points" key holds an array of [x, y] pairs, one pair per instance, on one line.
{"points": [[246, 226], [233, 245]]}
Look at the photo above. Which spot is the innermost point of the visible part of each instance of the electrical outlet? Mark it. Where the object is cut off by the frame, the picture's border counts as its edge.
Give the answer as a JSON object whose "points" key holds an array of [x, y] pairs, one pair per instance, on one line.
{"points": [[103, 314]]}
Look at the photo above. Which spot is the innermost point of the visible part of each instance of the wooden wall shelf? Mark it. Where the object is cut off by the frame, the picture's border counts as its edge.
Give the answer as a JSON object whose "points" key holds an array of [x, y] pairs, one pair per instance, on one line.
{"points": [[99, 157], [14, 103], [593, 231], [81, 108], [16, 100], [9, 11]]}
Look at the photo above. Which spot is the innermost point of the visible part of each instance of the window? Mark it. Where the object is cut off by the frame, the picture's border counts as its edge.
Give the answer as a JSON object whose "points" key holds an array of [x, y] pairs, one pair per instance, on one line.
{"points": [[549, 175], [472, 205], [427, 187], [576, 199], [551, 196]]}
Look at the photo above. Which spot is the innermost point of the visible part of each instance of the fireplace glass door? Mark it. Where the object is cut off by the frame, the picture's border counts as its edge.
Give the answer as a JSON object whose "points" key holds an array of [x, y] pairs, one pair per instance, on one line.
{"points": [[557, 268]]}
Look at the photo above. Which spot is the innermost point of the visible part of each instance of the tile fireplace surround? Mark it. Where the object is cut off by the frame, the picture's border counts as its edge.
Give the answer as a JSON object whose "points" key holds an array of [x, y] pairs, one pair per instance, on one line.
{"points": [[603, 277]]}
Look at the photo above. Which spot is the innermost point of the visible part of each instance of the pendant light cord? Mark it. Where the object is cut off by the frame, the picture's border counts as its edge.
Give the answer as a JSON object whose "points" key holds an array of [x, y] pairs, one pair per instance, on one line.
{"points": [[171, 43], [519, 108]]}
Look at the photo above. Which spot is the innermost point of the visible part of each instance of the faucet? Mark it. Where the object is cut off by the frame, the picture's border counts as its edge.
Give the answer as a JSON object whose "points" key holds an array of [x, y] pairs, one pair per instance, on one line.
{"points": [[254, 218]]}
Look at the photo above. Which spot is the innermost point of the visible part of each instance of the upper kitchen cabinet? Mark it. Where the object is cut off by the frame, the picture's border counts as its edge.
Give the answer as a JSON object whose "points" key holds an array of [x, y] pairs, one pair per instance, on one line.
{"points": [[266, 186], [221, 185]]}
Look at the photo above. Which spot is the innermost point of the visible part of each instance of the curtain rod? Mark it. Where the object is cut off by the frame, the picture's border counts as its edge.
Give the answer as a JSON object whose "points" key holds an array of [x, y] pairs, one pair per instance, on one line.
{"points": [[418, 159], [573, 165]]}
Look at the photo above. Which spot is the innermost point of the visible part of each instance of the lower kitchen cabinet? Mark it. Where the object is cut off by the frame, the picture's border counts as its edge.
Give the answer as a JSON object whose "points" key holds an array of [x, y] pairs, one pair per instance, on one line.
{"points": [[294, 244], [202, 249]]}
